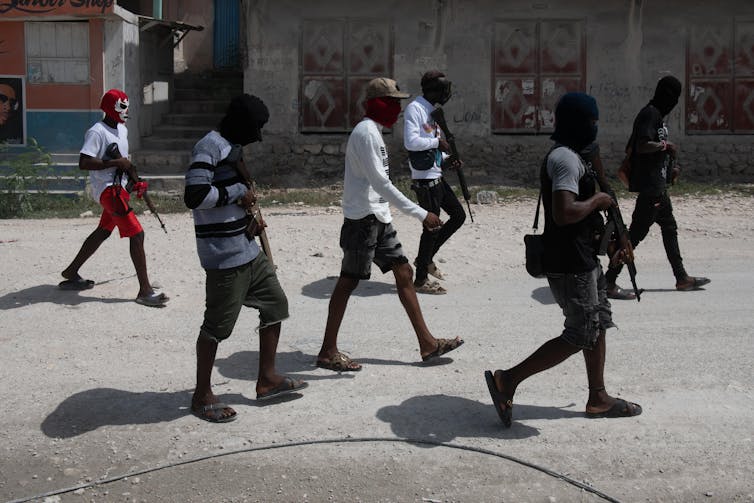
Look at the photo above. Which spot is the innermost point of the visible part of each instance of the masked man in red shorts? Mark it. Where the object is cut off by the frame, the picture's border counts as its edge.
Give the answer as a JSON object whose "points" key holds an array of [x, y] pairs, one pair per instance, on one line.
{"points": [[108, 181]]}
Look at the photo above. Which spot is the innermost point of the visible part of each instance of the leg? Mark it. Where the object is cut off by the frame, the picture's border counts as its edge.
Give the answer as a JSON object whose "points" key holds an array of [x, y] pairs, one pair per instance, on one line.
{"points": [[388, 255], [669, 228], [578, 296], [263, 292], [268, 380], [595, 368], [222, 306], [429, 346], [452, 206], [428, 198], [358, 240], [90, 245], [206, 350], [503, 383], [336, 310], [139, 259], [642, 219], [600, 404], [548, 355]]}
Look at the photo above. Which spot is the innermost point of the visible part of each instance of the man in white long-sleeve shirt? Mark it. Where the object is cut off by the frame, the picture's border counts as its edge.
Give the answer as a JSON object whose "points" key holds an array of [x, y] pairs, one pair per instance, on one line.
{"points": [[425, 145], [367, 234]]}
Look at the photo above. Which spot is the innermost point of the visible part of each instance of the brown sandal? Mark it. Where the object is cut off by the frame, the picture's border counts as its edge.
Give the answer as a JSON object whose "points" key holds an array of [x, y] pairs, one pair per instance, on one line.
{"points": [[339, 363], [443, 346]]}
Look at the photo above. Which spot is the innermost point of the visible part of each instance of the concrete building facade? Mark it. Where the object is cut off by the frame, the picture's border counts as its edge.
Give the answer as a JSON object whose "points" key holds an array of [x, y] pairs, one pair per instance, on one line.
{"points": [[509, 61]]}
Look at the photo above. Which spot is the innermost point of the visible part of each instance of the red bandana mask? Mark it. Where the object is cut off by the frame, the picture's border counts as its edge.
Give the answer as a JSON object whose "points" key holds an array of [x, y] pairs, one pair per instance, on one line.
{"points": [[115, 105], [384, 111]]}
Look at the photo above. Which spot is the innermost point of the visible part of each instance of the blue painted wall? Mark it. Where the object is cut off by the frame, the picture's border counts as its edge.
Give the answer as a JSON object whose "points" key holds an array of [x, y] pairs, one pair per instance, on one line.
{"points": [[60, 131], [226, 41]]}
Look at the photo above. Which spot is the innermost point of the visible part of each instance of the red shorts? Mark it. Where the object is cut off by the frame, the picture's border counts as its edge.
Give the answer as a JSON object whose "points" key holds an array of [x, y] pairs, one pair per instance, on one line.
{"points": [[117, 213]]}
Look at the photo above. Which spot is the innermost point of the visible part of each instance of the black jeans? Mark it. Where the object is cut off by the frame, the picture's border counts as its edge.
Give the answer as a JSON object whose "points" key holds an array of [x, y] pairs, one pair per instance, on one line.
{"points": [[650, 210], [433, 199]]}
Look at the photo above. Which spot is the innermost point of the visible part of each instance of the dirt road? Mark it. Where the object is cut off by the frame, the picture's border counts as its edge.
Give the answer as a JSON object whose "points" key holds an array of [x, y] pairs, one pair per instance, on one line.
{"points": [[96, 387]]}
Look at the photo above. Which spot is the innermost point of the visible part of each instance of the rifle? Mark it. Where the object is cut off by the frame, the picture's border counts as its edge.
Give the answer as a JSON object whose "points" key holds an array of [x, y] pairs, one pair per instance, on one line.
{"points": [[439, 116], [113, 152], [615, 225], [235, 158]]}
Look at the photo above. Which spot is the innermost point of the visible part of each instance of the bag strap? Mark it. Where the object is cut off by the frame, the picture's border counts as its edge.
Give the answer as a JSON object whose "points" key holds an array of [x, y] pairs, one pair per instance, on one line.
{"points": [[539, 199], [536, 213]]}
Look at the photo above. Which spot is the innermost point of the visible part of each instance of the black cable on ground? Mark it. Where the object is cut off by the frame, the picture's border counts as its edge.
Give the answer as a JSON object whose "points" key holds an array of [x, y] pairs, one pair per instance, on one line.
{"points": [[478, 450]]}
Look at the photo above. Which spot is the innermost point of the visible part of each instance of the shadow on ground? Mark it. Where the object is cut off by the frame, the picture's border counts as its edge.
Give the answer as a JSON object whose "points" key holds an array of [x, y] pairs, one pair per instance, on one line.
{"points": [[52, 294], [543, 295], [322, 288], [443, 418]]}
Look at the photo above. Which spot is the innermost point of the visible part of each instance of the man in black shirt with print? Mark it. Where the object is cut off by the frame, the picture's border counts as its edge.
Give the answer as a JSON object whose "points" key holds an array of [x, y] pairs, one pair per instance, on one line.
{"points": [[652, 169]]}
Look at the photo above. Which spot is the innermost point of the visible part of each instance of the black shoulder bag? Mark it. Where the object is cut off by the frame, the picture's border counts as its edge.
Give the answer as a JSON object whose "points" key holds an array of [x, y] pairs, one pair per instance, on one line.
{"points": [[535, 247]]}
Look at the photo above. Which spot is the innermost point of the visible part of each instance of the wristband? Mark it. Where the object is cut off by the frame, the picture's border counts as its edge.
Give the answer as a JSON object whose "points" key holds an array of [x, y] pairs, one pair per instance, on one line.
{"points": [[664, 145]]}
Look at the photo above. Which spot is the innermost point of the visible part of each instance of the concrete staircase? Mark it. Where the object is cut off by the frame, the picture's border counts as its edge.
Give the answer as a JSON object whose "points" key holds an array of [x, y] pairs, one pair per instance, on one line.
{"points": [[199, 102]]}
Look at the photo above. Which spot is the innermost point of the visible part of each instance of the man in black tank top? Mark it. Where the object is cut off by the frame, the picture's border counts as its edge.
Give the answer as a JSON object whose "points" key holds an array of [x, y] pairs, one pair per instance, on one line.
{"points": [[572, 216]]}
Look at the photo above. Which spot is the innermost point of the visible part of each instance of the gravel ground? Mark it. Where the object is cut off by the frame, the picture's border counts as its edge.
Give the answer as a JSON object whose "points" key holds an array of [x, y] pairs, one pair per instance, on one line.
{"points": [[97, 387]]}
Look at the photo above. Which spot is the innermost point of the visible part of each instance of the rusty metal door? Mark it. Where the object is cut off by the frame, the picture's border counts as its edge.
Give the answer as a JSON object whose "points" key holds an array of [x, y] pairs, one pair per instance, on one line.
{"points": [[534, 63], [338, 58]]}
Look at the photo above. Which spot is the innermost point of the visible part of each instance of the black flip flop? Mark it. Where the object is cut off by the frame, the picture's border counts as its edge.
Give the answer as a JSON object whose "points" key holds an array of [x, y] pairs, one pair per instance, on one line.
{"points": [[500, 398], [76, 284], [287, 387], [211, 412], [621, 408]]}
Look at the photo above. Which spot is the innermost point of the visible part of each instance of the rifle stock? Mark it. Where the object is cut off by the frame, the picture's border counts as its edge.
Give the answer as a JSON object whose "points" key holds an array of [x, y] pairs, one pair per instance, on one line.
{"points": [[615, 224], [256, 221], [439, 116], [624, 240]]}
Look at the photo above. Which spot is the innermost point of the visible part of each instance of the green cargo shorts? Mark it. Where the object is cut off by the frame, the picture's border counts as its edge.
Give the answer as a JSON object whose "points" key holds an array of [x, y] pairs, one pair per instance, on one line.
{"points": [[253, 285]]}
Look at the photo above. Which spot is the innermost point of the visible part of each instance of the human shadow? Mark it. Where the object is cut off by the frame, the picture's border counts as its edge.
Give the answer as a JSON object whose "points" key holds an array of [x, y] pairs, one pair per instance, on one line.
{"points": [[52, 294], [242, 365], [443, 418], [91, 409], [322, 288], [654, 290], [543, 295]]}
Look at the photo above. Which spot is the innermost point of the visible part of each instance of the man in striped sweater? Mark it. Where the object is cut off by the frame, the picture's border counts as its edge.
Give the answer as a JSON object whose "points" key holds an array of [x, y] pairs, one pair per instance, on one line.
{"points": [[238, 272]]}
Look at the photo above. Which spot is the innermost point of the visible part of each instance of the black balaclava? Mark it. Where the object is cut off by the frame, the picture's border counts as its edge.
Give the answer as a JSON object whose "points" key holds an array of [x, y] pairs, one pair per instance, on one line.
{"points": [[244, 119], [666, 94], [574, 116], [435, 87]]}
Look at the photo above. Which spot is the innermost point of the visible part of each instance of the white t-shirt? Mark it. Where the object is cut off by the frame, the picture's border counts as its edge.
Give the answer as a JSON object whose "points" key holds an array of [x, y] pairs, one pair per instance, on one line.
{"points": [[367, 188], [420, 132], [565, 168], [96, 140]]}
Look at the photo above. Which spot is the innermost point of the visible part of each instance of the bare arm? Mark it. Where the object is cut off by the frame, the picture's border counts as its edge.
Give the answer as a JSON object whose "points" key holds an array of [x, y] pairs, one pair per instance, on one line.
{"points": [[567, 210], [89, 163], [645, 146]]}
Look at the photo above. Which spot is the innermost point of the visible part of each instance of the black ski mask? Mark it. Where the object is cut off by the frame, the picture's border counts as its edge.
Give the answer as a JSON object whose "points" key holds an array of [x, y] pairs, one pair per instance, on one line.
{"points": [[575, 117], [666, 94], [435, 87], [244, 119]]}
